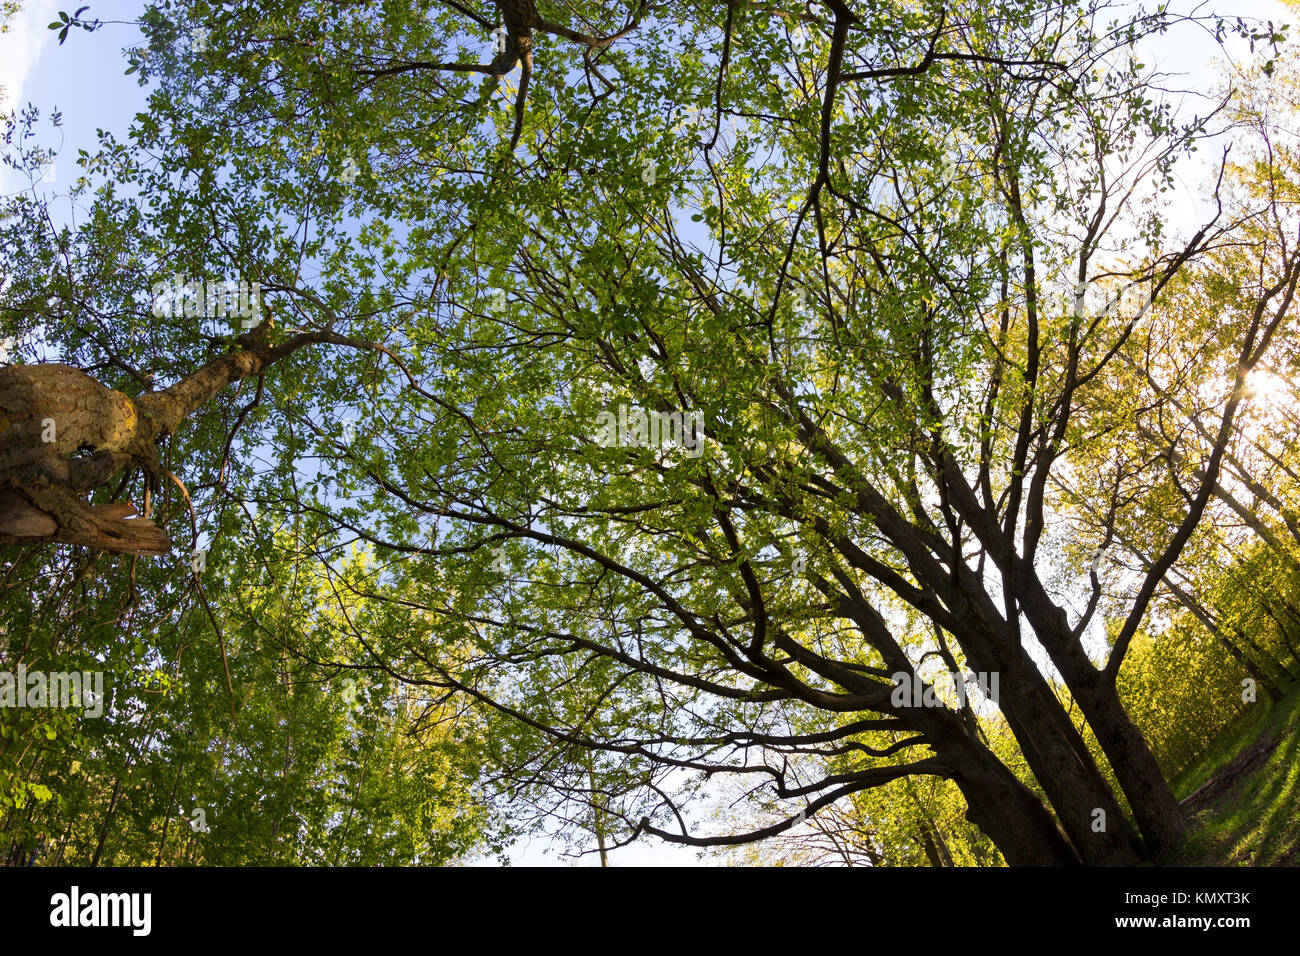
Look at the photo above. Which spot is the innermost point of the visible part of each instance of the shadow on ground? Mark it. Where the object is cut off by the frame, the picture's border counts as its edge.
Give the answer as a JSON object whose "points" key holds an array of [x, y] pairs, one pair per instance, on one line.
{"points": [[1247, 813]]}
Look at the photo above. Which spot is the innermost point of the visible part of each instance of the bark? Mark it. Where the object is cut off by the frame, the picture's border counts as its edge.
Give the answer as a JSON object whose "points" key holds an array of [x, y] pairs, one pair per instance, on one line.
{"points": [[1012, 817], [66, 435], [1160, 820], [1159, 817], [1003, 807], [1155, 808], [1056, 753], [927, 844], [1059, 759], [1053, 747], [1008, 812], [108, 818]]}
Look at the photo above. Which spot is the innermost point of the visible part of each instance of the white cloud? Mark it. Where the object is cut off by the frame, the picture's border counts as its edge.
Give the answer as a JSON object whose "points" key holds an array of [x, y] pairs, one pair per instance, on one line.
{"points": [[21, 47]]}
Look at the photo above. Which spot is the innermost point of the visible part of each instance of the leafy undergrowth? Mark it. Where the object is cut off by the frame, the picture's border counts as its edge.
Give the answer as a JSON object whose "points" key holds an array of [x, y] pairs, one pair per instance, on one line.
{"points": [[1244, 795]]}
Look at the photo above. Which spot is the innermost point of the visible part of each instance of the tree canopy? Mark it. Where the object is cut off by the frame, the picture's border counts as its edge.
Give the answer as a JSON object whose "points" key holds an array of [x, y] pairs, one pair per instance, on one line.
{"points": [[629, 407]]}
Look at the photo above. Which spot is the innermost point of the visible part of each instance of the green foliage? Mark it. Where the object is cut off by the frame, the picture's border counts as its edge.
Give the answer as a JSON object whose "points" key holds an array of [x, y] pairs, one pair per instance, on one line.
{"points": [[856, 277], [1182, 689], [319, 766]]}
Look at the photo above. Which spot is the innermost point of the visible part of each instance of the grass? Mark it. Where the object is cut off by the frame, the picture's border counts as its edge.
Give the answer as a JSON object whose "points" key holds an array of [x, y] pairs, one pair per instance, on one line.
{"points": [[1243, 796]]}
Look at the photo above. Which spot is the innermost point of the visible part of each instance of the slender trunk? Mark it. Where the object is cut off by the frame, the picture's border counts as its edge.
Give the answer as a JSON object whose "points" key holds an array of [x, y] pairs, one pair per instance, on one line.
{"points": [[927, 844], [63, 846], [932, 841], [167, 817], [1270, 689], [131, 761], [108, 819], [1284, 634], [596, 822]]}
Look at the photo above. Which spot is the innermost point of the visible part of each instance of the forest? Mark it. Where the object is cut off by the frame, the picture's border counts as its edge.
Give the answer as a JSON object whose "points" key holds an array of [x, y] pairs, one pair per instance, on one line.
{"points": [[843, 432]]}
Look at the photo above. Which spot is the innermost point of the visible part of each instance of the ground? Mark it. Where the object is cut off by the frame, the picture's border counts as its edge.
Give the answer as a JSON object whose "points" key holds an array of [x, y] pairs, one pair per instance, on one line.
{"points": [[1244, 795]]}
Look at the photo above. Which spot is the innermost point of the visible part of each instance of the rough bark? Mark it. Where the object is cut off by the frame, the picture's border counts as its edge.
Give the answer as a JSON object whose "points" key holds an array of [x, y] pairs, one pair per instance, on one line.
{"points": [[65, 435], [1012, 817]]}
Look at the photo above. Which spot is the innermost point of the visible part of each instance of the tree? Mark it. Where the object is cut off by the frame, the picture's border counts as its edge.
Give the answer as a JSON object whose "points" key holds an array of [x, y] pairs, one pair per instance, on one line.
{"points": [[728, 359], [257, 743]]}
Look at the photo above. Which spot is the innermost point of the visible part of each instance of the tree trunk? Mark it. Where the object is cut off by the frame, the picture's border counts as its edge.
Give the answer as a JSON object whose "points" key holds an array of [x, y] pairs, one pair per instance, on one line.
{"points": [[66, 435], [1070, 778], [997, 802], [1155, 808], [1056, 753], [1159, 818], [1012, 817]]}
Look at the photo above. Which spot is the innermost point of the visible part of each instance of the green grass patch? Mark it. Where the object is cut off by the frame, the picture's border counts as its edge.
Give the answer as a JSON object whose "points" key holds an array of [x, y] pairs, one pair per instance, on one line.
{"points": [[1245, 793]]}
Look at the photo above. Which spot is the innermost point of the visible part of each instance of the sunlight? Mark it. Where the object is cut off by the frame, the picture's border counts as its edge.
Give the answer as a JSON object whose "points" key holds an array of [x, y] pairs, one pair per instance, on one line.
{"points": [[1269, 408], [1266, 388]]}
